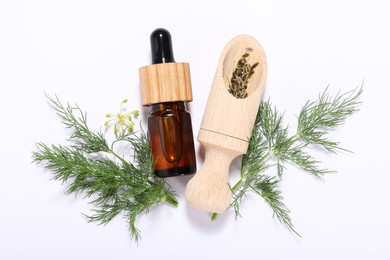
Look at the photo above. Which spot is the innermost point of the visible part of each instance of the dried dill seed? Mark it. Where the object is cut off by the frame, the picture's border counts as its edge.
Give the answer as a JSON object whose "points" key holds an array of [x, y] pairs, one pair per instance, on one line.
{"points": [[241, 75]]}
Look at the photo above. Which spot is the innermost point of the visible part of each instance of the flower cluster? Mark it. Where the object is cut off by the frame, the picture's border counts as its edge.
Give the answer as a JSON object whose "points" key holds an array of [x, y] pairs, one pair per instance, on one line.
{"points": [[124, 120]]}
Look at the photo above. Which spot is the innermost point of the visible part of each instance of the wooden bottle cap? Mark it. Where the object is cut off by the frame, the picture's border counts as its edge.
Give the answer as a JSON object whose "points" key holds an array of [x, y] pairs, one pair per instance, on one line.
{"points": [[165, 82]]}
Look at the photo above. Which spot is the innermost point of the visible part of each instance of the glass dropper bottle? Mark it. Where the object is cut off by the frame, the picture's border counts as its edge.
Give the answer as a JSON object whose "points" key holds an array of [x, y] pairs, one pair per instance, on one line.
{"points": [[166, 87]]}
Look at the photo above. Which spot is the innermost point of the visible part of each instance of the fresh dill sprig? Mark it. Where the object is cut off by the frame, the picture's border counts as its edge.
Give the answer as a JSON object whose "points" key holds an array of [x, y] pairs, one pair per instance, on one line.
{"points": [[114, 186], [271, 145], [317, 118]]}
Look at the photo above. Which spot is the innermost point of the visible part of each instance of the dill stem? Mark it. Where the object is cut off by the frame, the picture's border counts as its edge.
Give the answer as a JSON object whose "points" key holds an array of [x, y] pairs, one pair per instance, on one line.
{"points": [[235, 187], [117, 156], [238, 184], [243, 179]]}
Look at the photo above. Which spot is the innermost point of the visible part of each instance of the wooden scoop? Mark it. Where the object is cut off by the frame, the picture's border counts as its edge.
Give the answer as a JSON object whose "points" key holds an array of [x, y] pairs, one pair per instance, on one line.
{"points": [[228, 121]]}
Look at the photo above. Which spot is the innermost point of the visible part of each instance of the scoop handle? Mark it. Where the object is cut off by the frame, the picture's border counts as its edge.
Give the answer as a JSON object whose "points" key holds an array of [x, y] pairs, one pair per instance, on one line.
{"points": [[209, 189]]}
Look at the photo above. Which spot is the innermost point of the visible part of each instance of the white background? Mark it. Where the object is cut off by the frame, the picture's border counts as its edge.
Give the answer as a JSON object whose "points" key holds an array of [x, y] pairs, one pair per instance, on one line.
{"points": [[89, 52]]}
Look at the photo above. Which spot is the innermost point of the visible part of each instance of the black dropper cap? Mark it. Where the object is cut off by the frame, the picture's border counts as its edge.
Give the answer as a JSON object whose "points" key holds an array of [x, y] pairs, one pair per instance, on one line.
{"points": [[161, 45]]}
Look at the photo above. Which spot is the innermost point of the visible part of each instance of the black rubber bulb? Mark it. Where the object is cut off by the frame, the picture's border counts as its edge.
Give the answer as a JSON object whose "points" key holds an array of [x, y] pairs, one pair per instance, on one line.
{"points": [[161, 45]]}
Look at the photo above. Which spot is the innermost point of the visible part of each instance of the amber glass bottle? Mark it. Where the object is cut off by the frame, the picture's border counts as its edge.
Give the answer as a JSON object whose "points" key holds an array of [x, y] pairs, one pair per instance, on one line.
{"points": [[171, 139], [166, 87]]}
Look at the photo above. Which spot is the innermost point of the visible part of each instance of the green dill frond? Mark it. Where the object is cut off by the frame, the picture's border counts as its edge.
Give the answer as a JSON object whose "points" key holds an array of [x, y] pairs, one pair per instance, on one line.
{"points": [[74, 118], [303, 160], [113, 186], [270, 123], [272, 136], [318, 117], [266, 187], [271, 145]]}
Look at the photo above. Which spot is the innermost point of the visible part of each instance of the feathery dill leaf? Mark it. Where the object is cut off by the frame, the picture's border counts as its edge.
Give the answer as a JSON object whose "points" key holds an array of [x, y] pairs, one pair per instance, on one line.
{"points": [[271, 145], [317, 118], [266, 187], [82, 137], [114, 186]]}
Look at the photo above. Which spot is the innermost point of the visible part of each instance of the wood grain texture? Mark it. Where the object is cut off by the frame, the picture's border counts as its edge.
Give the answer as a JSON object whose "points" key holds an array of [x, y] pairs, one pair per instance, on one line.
{"points": [[165, 82], [226, 125]]}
